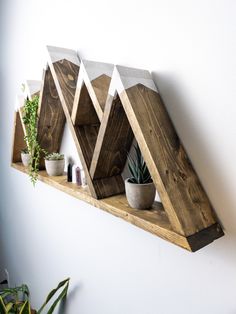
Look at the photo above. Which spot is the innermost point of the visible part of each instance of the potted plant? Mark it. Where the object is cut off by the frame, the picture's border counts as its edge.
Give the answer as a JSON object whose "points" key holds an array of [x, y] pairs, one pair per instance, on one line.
{"points": [[30, 120], [25, 157], [55, 164], [140, 189], [17, 300]]}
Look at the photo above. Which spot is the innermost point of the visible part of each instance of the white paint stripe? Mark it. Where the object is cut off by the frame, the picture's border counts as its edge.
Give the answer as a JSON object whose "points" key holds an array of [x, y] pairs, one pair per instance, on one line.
{"points": [[57, 54], [95, 69], [19, 102], [32, 87], [130, 77]]}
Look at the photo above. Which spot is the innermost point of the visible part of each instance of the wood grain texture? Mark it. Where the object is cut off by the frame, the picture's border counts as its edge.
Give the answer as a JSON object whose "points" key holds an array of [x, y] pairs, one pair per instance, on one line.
{"points": [[114, 141], [83, 112], [67, 73], [186, 217], [154, 221], [63, 71], [100, 86], [181, 192], [109, 186], [18, 143], [87, 112], [87, 136], [51, 116], [202, 238]]}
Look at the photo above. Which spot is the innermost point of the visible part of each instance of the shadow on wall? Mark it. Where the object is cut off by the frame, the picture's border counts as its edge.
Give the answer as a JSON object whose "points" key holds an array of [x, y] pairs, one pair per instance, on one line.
{"points": [[214, 175], [72, 294]]}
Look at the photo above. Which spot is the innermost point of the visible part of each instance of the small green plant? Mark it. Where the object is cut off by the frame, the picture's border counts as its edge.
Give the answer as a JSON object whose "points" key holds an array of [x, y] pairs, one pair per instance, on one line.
{"points": [[13, 299], [138, 168], [30, 119], [54, 156], [17, 300]]}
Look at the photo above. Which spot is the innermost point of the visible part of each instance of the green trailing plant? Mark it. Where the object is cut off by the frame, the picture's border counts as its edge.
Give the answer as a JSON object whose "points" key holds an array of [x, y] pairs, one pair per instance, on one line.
{"points": [[17, 300], [54, 156], [30, 119], [138, 168]]}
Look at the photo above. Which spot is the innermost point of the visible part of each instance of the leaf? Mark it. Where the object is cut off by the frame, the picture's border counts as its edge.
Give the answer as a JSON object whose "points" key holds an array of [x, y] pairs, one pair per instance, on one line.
{"points": [[25, 309], [59, 298], [9, 306], [5, 293], [138, 154], [3, 309], [51, 293]]}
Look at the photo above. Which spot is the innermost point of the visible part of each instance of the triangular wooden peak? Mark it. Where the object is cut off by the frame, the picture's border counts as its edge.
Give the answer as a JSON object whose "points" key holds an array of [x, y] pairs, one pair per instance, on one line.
{"points": [[106, 106]]}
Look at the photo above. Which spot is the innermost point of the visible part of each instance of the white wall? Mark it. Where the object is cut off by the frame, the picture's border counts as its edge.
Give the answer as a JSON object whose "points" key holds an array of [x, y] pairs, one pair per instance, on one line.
{"points": [[117, 268]]}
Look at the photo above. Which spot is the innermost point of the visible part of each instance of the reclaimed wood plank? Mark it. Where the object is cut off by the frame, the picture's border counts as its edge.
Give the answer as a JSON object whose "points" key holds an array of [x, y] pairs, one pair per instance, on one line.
{"points": [[66, 90], [154, 221], [186, 203], [51, 115], [18, 143], [114, 141]]}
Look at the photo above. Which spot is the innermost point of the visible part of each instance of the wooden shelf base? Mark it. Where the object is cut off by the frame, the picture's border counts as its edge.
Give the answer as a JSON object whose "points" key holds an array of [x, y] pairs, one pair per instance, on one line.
{"points": [[154, 220]]}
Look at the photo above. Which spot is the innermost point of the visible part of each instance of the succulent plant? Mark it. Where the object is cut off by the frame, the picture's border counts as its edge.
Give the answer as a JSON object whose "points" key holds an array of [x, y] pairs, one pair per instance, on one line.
{"points": [[54, 156], [138, 168]]}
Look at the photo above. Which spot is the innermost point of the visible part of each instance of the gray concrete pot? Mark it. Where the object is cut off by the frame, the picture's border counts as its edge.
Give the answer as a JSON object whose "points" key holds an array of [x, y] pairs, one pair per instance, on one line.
{"points": [[55, 167], [140, 196], [25, 159]]}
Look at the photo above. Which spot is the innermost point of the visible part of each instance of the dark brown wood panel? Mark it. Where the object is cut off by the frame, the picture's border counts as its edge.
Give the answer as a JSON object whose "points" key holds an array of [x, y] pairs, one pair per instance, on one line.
{"points": [[183, 197], [106, 187], [114, 141], [100, 86], [205, 237], [67, 73], [18, 138], [154, 220], [87, 136], [84, 112], [51, 116]]}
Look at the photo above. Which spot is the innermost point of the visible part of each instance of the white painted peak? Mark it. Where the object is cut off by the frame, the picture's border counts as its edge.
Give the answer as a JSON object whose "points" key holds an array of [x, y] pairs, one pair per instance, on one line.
{"points": [[130, 77], [95, 69], [57, 54], [115, 84], [32, 87], [19, 102]]}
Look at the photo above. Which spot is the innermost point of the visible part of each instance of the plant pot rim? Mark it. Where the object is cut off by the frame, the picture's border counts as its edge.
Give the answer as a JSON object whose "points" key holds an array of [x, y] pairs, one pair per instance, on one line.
{"points": [[54, 159], [144, 184]]}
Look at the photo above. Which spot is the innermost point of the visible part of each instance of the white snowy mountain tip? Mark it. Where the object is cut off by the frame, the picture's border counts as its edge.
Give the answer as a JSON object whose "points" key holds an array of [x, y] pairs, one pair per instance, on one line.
{"points": [[32, 87], [130, 77], [19, 102], [95, 69], [57, 54]]}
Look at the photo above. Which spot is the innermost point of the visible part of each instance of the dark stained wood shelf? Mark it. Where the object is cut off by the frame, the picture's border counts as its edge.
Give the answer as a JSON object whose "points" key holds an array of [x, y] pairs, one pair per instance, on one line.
{"points": [[154, 221], [105, 108]]}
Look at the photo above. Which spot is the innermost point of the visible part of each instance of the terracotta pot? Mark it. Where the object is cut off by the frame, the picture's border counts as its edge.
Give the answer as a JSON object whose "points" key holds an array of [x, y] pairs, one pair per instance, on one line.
{"points": [[25, 159], [140, 196], [55, 167]]}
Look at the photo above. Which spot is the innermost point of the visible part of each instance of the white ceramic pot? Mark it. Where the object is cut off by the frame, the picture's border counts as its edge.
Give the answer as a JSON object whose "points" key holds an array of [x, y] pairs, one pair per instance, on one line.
{"points": [[140, 196], [25, 159], [55, 167]]}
